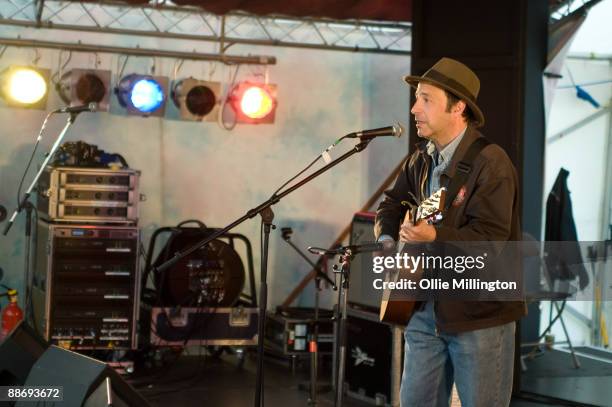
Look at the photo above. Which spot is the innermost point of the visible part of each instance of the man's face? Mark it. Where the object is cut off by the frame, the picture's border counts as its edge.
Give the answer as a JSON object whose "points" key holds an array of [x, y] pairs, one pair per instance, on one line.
{"points": [[429, 110]]}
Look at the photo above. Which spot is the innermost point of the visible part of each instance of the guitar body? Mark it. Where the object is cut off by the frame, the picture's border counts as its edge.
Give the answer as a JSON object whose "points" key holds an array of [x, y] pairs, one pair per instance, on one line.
{"points": [[399, 311], [396, 312]]}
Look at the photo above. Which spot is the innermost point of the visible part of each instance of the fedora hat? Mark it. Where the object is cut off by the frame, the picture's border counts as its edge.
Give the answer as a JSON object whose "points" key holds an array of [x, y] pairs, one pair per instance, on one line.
{"points": [[456, 78]]}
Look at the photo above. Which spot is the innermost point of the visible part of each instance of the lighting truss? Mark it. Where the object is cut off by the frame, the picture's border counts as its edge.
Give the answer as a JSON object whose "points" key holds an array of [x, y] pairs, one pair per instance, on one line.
{"points": [[190, 23], [563, 8]]}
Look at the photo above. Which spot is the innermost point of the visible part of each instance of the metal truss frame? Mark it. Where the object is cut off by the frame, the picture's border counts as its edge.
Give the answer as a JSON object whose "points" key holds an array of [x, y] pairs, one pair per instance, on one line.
{"points": [[564, 8], [161, 19]]}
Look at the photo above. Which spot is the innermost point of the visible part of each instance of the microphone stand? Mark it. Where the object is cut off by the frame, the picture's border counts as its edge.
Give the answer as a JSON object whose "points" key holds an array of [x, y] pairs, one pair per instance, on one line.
{"points": [[345, 271], [314, 348], [24, 203], [26, 196], [347, 253], [265, 211]]}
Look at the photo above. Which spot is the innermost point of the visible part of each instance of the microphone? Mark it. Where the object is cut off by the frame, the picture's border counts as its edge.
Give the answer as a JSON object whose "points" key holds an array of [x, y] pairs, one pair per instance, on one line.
{"points": [[396, 131], [91, 107], [384, 246]]}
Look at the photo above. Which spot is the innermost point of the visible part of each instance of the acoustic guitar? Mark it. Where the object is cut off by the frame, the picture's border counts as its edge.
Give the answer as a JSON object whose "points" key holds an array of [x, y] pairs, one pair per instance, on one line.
{"points": [[400, 311]]}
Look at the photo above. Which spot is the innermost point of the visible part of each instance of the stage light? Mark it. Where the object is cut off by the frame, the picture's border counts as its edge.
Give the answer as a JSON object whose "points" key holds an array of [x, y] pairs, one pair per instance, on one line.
{"points": [[254, 103], [196, 99], [23, 86], [143, 95], [27, 86], [84, 86]]}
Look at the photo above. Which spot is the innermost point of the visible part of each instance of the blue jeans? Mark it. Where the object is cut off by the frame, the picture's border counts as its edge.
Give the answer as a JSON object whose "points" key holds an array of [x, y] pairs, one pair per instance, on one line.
{"points": [[479, 362]]}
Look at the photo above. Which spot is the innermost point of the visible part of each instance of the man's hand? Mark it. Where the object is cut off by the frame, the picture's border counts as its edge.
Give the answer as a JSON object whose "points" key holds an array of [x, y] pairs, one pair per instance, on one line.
{"points": [[422, 232], [387, 240]]}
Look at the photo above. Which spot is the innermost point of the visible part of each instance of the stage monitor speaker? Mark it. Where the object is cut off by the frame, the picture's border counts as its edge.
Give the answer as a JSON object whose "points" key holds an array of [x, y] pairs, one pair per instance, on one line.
{"points": [[85, 382], [374, 358], [18, 353], [362, 231]]}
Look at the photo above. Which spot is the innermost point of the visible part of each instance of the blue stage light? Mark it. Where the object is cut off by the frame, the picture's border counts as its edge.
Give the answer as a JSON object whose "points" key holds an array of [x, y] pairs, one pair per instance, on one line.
{"points": [[147, 95], [142, 94]]}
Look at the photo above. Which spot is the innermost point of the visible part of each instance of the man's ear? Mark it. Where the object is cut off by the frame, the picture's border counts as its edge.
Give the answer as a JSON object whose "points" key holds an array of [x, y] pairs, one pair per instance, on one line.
{"points": [[460, 107]]}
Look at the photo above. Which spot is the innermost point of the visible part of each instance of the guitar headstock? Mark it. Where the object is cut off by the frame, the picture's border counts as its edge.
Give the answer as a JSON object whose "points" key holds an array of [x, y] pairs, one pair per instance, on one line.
{"points": [[431, 208]]}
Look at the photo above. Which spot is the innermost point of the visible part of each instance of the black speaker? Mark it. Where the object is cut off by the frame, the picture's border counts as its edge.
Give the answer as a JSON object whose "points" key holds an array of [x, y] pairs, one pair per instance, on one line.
{"points": [[374, 358], [85, 381], [360, 294], [18, 353]]}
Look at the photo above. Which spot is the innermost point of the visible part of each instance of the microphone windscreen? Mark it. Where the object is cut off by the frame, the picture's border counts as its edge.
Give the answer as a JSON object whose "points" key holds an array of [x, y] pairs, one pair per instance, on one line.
{"points": [[389, 245], [398, 130]]}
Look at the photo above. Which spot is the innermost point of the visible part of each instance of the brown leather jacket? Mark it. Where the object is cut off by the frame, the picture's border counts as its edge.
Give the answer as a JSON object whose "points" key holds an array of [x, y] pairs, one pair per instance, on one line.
{"points": [[489, 212]]}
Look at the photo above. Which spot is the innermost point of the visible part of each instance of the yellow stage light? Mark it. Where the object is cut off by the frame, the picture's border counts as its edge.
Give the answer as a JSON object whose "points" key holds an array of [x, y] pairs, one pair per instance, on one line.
{"points": [[25, 87]]}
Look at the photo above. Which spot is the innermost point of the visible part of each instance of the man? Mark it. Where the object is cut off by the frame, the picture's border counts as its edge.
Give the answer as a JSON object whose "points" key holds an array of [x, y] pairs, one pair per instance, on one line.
{"points": [[469, 343]]}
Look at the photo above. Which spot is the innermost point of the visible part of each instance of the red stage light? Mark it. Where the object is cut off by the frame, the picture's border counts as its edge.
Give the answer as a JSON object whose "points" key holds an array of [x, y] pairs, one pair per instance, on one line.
{"points": [[254, 103]]}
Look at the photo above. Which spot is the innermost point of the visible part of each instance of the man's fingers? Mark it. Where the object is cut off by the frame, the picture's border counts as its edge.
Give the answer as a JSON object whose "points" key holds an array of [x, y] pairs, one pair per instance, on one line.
{"points": [[404, 234], [407, 219]]}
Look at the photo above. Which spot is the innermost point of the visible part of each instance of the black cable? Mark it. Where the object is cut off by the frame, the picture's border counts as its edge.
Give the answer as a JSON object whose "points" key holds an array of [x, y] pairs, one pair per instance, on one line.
{"points": [[29, 284], [308, 166], [160, 371], [197, 325], [297, 175], [201, 357], [25, 173], [224, 103], [261, 239], [142, 252], [195, 375], [159, 392], [122, 160]]}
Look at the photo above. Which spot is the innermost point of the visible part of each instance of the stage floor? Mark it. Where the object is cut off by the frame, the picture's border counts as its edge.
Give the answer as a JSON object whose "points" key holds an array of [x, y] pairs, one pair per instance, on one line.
{"points": [[552, 373], [208, 381]]}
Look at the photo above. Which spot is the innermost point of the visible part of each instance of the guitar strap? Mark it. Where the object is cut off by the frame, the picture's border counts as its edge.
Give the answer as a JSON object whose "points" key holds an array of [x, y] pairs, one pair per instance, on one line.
{"points": [[464, 167]]}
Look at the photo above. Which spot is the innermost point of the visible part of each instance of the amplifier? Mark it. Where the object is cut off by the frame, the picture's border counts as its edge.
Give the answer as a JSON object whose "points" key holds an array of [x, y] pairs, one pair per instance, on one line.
{"points": [[92, 195], [225, 326], [374, 355], [86, 285], [362, 231]]}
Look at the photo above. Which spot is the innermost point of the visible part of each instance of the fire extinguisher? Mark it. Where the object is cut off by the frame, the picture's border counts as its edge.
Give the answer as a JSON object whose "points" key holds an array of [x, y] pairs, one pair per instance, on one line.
{"points": [[11, 314]]}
